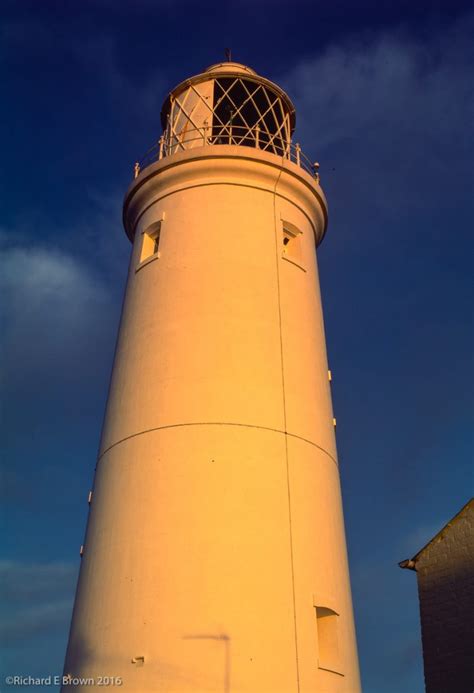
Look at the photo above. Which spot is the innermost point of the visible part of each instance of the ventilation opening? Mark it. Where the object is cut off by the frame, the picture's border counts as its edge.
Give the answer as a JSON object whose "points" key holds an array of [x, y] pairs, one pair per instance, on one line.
{"points": [[291, 241], [328, 644], [151, 241]]}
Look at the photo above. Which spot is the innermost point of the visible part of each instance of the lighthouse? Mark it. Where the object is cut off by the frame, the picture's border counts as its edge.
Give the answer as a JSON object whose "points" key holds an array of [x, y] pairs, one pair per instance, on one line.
{"points": [[215, 554]]}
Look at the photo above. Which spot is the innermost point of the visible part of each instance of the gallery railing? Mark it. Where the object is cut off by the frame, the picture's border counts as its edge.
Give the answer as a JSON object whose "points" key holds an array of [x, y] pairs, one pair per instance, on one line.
{"points": [[171, 143]]}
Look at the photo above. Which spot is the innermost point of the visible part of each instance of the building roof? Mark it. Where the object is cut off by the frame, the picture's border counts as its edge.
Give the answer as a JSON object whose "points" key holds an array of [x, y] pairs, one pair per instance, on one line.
{"points": [[410, 563]]}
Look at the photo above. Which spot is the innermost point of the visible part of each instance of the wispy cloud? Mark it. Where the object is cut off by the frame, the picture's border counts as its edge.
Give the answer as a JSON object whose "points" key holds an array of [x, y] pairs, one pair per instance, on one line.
{"points": [[34, 622], [50, 302], [36, 599], [61, 289], [390, 112], [29, 582], [59, 317]]}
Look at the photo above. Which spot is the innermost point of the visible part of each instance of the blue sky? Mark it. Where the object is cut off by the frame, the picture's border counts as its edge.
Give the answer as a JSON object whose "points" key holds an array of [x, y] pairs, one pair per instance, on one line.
{"points": [[384, 103]]}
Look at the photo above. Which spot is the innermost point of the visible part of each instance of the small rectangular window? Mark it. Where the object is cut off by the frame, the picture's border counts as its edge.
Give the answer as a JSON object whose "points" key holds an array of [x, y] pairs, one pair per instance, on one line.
{"points": [[291, 244], [328, 644], [151, 242]]}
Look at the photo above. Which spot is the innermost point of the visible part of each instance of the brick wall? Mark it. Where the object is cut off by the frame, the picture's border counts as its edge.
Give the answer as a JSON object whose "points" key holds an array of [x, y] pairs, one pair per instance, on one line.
{"points": [[445, 571]]}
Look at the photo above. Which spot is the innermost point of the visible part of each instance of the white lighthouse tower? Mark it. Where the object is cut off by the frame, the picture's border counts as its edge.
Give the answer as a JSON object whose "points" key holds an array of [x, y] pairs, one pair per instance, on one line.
{"points": [[215, 556]]}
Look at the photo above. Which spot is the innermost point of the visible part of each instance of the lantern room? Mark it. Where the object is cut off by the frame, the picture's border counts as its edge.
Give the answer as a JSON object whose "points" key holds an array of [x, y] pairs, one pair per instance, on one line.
{"points": [[228, 104]]}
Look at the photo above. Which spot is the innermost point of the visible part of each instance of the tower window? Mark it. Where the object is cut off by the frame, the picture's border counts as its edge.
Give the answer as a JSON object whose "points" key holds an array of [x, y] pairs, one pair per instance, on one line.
{"points": [[151, 242], [291, 244], [328, 644]]}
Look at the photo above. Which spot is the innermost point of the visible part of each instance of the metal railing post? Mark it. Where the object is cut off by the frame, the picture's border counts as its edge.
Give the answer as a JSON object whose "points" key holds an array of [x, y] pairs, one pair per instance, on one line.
{"points": [[169, 143]]}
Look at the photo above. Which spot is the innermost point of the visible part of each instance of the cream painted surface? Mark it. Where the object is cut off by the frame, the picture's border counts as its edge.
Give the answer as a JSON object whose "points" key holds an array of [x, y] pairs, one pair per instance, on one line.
{"points": [[216, 521], [236, 68], [181, 568]]}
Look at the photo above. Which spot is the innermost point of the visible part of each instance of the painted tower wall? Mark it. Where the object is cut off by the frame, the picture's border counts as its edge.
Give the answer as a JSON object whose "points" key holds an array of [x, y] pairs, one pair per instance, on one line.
{"points": [[215, 556]]}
